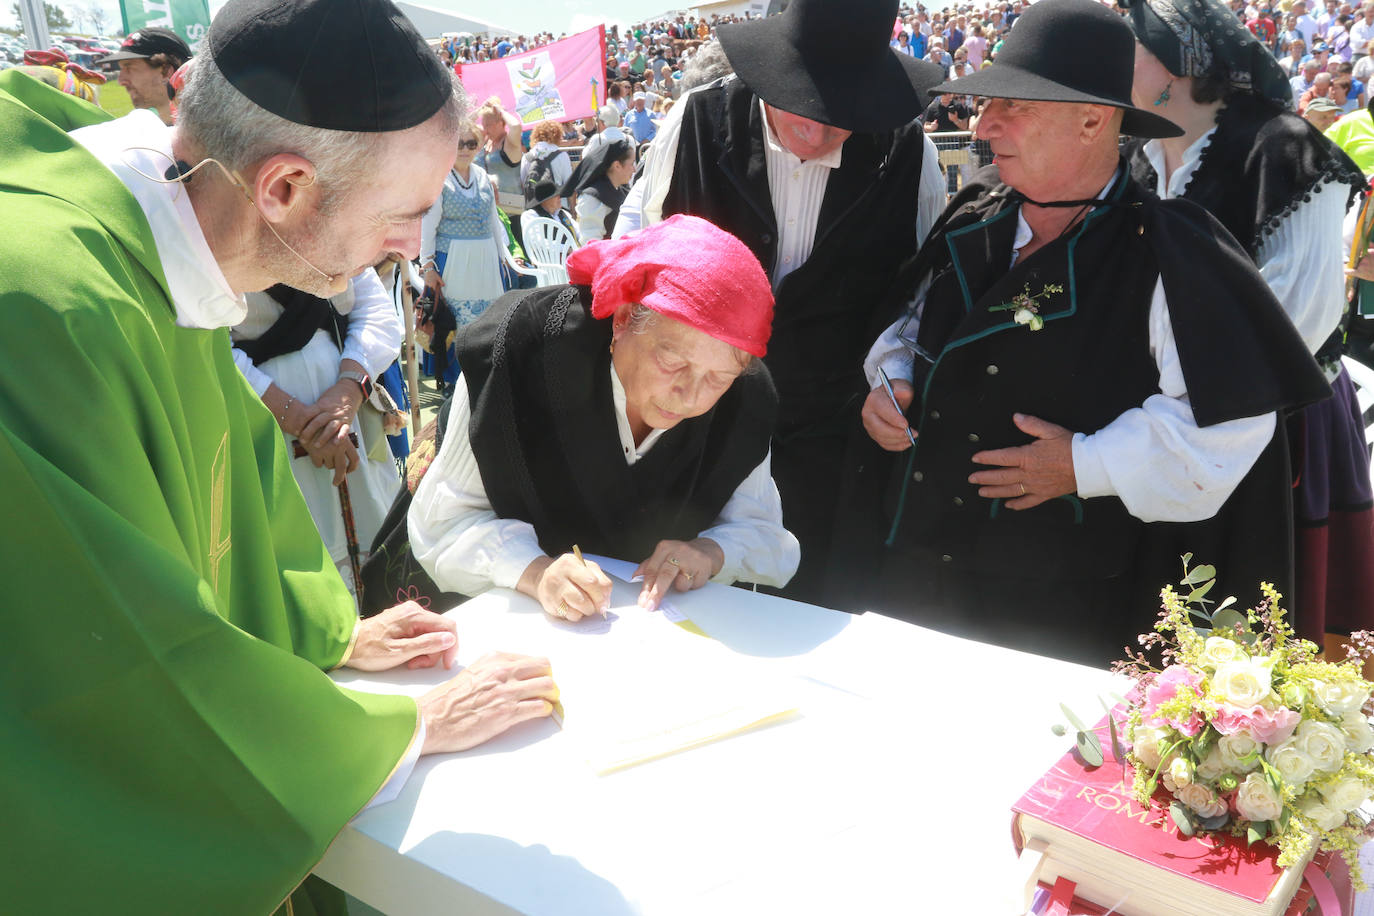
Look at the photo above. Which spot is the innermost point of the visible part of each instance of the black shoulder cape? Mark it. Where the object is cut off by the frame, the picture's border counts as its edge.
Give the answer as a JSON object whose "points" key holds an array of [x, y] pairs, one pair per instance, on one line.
{"points": [[1262, 162]]}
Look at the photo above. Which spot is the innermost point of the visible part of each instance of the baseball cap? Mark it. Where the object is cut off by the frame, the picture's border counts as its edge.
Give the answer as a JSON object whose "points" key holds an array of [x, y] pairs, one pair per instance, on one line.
{"points": [[1322, 103], [144, 43]]}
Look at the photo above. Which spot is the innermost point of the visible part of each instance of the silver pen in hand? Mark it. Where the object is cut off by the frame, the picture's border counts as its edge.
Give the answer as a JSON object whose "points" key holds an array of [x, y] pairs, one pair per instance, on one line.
{"points": [[892, 396]]}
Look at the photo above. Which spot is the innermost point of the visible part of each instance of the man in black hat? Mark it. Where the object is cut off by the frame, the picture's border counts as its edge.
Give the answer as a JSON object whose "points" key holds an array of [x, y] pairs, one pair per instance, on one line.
{"points": [[191, 718], [1098, 371], [811, 154], [147, 59]]}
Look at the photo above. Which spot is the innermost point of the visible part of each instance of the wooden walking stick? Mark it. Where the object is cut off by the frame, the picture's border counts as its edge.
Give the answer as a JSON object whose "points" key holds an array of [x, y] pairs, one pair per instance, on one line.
{"points": [[412, 364]]}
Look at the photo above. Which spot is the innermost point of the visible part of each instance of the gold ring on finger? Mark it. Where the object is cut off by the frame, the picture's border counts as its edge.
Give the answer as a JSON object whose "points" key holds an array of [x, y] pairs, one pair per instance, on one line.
{"points": [[674, 561], [1023, 489], [562, 609], [690, 576]]}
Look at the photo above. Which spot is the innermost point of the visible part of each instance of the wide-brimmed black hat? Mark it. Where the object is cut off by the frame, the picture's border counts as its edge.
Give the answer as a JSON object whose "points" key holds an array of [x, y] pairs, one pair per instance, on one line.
{"points": [[1043, 60], [830, 61]]}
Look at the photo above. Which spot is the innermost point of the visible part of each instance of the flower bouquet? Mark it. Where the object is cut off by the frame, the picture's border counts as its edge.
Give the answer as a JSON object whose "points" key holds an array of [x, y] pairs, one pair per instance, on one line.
{"points": [[1247, 728]]}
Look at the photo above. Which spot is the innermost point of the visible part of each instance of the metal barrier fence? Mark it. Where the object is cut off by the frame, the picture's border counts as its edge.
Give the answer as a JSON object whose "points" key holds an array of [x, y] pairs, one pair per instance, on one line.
{"points": [[960, 156]]}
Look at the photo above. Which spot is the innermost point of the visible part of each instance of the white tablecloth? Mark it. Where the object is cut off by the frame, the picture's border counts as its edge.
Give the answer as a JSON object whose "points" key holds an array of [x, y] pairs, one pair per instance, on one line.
{"points": [[889, 794]]}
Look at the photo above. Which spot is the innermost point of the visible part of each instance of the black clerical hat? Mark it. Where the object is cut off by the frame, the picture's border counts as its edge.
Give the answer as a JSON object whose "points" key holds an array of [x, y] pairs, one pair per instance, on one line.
{"points": [[354, 65], [830, 61], [1044, 60]]}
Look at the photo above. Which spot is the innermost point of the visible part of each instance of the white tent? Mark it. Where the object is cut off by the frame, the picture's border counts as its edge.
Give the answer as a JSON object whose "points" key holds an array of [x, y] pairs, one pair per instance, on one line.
{"points": [[435, 21]]}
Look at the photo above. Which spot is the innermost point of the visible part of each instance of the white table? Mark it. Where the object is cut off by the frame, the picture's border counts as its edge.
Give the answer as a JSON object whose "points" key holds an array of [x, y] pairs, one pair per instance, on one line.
{"points": [[889, 794]]}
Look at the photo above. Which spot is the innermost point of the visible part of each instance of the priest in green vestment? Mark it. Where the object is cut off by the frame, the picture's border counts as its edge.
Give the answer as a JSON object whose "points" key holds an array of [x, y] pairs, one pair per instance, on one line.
{"points": [[171, 742]]}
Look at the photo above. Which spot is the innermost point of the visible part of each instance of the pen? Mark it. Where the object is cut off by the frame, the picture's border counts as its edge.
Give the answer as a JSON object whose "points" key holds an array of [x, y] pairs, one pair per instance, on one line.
{"points": [[577, 552], [891, 396]]}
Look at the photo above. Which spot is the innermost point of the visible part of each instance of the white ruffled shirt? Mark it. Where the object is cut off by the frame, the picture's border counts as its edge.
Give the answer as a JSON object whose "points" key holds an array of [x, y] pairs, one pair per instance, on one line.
{"points": [[459, 540], [1154, 458], [797, 190]]}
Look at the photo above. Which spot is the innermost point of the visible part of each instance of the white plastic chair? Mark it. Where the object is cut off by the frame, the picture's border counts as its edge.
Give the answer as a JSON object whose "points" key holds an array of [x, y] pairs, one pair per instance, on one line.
{"points": [[509, 260], [1363, 378], [547, 243]]}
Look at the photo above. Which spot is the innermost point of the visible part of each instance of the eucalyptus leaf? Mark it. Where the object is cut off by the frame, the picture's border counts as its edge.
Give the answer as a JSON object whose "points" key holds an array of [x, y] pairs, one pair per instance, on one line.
{"points": [[1187, 558], [1226, 603], [1249, 638], [1228, 619], [1256, 832], [1214, 823], [1090, 749], [1200, 614], [1118, 751], [1201, 591], [1200, 574], [1182, 818], [1073, 719], [1059, 730]]}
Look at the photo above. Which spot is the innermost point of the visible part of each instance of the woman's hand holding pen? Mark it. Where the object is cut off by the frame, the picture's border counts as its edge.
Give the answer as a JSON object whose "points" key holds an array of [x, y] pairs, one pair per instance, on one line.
{"points": [[568, 587]]}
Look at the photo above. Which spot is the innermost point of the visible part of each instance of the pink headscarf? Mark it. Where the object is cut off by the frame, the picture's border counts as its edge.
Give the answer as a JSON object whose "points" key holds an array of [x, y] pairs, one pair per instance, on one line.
{"points": [[687, 269]]}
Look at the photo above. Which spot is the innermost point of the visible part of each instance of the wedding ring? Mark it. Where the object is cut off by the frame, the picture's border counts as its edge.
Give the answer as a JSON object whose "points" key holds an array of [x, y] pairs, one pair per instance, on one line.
{"points": [[690, 576], [674, 561], [562, 609], [1023, 489]]}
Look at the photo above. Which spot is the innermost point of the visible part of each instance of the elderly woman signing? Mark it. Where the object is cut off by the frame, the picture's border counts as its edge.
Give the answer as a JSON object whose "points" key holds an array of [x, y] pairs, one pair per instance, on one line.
{"points": [[626, 413]]}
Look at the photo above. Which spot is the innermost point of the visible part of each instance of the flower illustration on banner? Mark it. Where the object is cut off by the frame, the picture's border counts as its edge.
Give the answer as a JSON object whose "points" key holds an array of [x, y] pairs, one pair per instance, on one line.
{"points": [[534, 83], [1025, 308]]}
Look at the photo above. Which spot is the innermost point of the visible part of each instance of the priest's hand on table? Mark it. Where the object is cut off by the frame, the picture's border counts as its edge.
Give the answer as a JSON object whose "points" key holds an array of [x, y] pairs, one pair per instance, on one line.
{"points": [[1028, 475], [568, 587], [406, 634], [325, 436], [683, 565], [486, 698], [885, 424]]}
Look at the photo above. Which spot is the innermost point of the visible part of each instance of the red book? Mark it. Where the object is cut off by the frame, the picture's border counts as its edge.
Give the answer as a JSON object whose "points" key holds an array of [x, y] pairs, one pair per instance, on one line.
{"points": [[1131, 857]]}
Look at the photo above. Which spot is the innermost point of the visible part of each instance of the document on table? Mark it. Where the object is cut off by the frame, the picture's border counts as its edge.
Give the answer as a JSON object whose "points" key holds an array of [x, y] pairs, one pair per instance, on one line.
{"points": [[633, 686]]}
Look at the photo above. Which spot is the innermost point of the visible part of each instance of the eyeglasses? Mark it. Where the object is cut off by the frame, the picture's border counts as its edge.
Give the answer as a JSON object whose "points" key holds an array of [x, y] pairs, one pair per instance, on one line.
{"points": [[467, 144]]}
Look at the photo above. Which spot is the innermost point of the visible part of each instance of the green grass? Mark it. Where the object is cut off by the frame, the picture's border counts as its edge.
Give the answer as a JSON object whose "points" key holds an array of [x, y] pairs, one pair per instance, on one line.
{"points": [[115, 99]]}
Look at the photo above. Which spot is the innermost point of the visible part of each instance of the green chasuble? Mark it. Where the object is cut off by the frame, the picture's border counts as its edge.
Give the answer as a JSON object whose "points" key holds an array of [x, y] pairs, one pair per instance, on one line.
{"points": [[170, 742]]}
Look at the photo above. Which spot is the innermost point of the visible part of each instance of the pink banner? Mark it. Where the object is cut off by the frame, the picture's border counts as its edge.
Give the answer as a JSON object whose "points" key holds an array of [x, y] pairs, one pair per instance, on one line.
{"points": [[562, 81]]}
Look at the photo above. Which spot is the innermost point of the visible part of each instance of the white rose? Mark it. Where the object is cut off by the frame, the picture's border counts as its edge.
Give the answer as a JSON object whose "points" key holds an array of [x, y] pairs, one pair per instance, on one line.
{"points": [[1201, 799], [1324, 743], [1213, 765], [1327, 817], [1345, 794], [1023, 316], [1218, 651], [1243, 683], [1340, 697], [1256, 800], [1235, 748], [1182, 771], [1292, 762], [1359, 735], [1145, 745]]}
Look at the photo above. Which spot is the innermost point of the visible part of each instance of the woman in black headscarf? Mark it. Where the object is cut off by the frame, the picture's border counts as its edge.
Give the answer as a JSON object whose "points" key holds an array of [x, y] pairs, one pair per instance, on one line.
{"points": [[1282, 189], [601, 181]]}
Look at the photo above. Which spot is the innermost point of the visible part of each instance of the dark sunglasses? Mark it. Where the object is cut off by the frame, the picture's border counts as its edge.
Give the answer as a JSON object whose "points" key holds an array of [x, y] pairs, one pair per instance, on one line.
{"points": [[467, 144]]}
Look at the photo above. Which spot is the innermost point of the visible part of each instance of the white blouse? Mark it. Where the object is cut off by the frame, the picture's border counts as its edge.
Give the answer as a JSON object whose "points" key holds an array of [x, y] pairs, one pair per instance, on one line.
{"points": [[1301, 261]]}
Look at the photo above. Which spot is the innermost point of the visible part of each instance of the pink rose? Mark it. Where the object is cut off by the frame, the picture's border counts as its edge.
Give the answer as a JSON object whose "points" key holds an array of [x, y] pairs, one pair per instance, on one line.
{"points": [[1267, 726], [1164, 689]]}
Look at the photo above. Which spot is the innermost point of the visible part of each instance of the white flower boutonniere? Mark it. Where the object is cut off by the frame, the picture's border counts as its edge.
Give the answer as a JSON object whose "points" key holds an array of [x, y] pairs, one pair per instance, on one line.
{"points": [[1025, 308]]}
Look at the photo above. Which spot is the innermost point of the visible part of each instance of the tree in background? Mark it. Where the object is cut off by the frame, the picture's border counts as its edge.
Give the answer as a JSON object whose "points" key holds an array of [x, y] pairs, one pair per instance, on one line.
{"points": [[57, 17]]}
